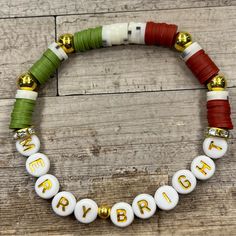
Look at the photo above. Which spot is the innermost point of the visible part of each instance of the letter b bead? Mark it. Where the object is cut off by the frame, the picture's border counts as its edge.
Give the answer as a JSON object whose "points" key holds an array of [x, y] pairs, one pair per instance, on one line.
{"points": [[122, 214]]}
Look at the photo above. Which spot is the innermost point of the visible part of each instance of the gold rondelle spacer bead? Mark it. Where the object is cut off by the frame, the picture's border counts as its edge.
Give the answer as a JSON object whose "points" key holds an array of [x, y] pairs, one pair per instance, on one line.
{"points": [[182, 41], [65, 41], [26, 82], [104, 211], [217, 83]]}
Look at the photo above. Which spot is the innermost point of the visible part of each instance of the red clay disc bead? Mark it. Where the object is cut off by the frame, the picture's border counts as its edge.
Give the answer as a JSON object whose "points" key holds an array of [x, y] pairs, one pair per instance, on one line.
{"points": [[218, 114], [161, 34], [202, 66]]}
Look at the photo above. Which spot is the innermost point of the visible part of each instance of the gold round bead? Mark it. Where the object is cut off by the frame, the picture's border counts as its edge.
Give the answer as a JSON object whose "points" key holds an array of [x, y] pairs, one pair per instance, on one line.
{"points": [[104, 211], [217, 83], [182, 41], [26, 82], [66, 42]]}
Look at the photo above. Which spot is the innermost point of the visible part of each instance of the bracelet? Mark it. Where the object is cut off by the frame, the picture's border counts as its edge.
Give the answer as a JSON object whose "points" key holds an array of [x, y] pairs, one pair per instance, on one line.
{"points": [[184, 181]]}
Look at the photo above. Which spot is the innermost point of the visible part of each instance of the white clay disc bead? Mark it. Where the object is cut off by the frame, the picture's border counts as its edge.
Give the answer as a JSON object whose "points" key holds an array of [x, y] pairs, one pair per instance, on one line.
{"points": [[166, 197], [144, 206], [203, 167], [37, 164], [115, 34], [217, 95], [47, 186], [122, 214], [86, 211], [63, 204], [26, 94], [190, 51], [184, 181], [28, 146], [58, 51], [136, 33], [215, 147]]}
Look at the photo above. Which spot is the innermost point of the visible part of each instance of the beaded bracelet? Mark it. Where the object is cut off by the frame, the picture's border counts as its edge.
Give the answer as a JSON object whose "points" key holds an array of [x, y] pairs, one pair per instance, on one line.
{"points": [[183, 181]]}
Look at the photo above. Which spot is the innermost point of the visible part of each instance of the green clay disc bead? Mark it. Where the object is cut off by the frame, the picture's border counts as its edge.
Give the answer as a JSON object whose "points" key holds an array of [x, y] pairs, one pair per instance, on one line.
{"points": [[45, 67], [21, 116], [88, 39]]}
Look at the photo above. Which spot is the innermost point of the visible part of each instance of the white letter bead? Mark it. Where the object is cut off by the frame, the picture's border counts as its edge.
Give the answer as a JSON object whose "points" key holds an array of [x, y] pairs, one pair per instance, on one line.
{"points": [[122, 214], [144, 206], [203, 167], [63, 204], [28, 146], [37, 164], [47, 186], [86, 211], [215, 147], [166, 197], [184, 181]]}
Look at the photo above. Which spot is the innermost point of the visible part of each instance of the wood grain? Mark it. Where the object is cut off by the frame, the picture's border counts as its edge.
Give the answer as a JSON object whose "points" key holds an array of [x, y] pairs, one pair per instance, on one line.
{"points": [[22, 43], [110, 148], [142, 68], [44, 8]]}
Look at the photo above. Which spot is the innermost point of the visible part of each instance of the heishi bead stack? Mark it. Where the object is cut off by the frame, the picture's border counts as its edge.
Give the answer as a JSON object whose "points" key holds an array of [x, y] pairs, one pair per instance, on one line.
{"points": [[184, 181]]}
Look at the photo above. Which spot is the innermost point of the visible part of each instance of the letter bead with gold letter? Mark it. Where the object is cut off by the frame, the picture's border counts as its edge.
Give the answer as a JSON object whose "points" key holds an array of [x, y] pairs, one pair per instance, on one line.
{"points": [[203, 167], [166, 197], [122, 214], [144, 206], [184, 181], [37, 164], [86, 210], [28, 145], [63, 204], [47, 186], [215, 147]]}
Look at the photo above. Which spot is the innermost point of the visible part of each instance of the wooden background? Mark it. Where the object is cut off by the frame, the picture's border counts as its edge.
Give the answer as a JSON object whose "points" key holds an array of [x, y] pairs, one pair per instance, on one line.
{"points": [[119, 121]]}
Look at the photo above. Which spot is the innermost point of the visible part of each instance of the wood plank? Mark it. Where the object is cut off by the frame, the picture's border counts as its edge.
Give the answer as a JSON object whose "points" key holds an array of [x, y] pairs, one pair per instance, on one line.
{"points": [[141, 68], [56, 7], [22, 43], [110, 148]]}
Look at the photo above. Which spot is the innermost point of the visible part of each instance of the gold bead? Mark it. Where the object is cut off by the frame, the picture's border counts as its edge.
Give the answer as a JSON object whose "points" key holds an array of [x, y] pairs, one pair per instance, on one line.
{"points": [[217, 83], [217, 132], [104, 211], [66, 42], [26, 82], [182, 41]]}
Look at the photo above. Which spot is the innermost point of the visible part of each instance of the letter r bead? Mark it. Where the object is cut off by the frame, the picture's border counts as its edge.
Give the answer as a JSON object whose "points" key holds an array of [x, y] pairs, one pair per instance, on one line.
{"points": [[63, 204], [144, 206]]}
